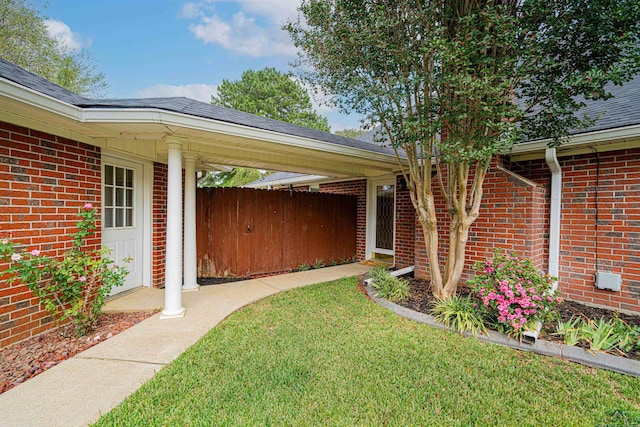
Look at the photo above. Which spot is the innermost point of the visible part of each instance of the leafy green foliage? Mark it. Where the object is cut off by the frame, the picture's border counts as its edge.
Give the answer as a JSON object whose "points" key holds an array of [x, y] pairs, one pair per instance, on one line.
{"points": [[440, 78], [237, 177], [570, 330], [388, 286], [602, 335], [351, 133], [25, 41], [74, 287], [460, 313], [514, 295], [303, 267], [273, 94], [267, 93]]}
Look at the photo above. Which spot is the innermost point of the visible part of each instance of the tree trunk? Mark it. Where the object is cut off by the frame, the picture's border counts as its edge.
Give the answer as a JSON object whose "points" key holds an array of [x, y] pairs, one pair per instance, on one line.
{"points": [[464, 207]]}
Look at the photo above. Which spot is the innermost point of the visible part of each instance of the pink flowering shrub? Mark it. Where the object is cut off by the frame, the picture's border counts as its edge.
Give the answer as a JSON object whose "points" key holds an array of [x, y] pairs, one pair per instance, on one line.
{"points": [[72, 288], [512, 293]]}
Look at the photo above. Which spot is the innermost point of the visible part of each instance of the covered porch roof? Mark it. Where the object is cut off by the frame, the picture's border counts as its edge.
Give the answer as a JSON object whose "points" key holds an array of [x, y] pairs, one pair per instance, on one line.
{"points": [[217, 135]]}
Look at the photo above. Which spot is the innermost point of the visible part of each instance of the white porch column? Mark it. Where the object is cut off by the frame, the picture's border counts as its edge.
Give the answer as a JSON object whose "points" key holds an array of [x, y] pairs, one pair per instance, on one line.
{"points": [[173, 259], [190, 260]]}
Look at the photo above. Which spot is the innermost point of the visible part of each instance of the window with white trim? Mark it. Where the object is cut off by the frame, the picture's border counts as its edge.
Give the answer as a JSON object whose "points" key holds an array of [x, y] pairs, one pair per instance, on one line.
{"points": [[118, 197]]}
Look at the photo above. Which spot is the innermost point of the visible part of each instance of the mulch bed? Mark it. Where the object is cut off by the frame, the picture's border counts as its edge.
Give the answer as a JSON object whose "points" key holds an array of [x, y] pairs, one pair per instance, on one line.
{"points": [[422, 300], [26, 359]]}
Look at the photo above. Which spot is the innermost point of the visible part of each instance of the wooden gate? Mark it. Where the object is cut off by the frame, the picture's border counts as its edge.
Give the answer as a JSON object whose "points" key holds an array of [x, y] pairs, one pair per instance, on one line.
{"points": [[243, 232]]}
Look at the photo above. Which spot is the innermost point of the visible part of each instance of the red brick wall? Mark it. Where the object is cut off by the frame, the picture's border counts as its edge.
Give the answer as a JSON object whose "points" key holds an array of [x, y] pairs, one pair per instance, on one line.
{"points": [[512, 217], [159, 223], [359, 189], [404, 250], [615, 245], [44, 182]]}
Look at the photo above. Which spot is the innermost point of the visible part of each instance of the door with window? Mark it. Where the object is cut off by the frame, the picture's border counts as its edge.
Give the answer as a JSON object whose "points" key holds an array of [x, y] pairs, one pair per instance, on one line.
{"points": [[383, 217], [122, 217]]}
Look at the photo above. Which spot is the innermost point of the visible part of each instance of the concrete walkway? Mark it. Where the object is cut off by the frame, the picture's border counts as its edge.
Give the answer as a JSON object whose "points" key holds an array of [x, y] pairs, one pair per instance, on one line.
{"points": [[77, 391]]}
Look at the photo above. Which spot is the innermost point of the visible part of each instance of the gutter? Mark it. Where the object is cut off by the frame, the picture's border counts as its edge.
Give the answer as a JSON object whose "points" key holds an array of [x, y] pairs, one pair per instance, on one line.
{"points": [[604, 136], [554, 228]]}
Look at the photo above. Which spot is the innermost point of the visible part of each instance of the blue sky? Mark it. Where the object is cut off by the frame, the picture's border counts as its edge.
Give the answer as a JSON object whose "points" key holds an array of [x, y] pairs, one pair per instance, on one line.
{"points": [[152, 48]]}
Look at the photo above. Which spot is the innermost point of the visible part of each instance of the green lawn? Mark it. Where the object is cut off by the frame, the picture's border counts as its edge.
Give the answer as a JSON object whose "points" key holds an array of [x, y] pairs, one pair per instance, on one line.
{"points": [[325, 355]]}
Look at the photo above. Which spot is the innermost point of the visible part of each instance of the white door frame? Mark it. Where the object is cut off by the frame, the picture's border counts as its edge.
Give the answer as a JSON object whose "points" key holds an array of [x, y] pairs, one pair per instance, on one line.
{"points": [[371, 214], [147, 207]]}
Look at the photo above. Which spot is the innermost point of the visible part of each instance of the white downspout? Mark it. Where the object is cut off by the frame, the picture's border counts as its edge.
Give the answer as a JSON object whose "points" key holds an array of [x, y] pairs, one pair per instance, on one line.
{"points": [[554, 228], [554, 215]]}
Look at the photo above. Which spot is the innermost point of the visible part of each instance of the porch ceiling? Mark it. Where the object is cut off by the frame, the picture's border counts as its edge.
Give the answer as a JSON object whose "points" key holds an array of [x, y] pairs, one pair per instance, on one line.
{"points": [[141, 132]]}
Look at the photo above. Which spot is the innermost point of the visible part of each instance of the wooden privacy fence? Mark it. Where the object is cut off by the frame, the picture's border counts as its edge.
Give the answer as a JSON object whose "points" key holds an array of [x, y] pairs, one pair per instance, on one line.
{"points": [[243, 232]]}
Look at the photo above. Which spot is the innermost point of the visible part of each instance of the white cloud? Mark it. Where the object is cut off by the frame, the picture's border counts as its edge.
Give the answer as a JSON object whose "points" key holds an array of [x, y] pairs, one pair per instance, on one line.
{"points": [[190, 10], [253, 31], [197, 91], [69, 40], [277, 11]]}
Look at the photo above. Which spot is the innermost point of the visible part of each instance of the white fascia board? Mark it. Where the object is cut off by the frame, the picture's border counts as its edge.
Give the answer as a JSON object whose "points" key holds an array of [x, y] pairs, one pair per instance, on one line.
{"points": [[306, 179], [597, 137], [37, 99], [170, 118]]}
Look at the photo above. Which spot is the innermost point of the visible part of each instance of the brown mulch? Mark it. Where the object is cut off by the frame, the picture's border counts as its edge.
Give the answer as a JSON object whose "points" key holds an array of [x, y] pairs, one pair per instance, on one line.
{"points": [[422, 300], [26, 359]]}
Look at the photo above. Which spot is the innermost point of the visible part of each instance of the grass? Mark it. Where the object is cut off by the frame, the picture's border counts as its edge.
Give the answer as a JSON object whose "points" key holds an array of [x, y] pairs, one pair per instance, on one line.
{"points": [[325, 355]]}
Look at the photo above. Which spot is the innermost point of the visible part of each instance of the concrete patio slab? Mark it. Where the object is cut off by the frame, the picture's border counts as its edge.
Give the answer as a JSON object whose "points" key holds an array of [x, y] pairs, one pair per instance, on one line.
{"points": [[77, 391], [161, 341]]}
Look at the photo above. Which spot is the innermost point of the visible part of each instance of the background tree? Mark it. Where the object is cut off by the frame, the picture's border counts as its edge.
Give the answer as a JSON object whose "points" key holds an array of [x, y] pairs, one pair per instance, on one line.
{"points": [[273, 94], [236, 177], [351, 133], [268, 93], [441, 77], [25, 41]]}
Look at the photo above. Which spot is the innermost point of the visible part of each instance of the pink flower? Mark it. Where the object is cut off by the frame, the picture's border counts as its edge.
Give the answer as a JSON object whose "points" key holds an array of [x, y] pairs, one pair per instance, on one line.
{"points": [[82, 278], [88, 205], [16, 257], [35, 252], [489, 270]]}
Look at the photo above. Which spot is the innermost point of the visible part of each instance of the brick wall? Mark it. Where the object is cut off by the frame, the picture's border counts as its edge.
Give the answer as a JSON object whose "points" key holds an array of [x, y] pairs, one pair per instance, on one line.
{"points": [[44, 182], [614, 245], [512, 216], [359, 189], [404, 250], [159, 223]]}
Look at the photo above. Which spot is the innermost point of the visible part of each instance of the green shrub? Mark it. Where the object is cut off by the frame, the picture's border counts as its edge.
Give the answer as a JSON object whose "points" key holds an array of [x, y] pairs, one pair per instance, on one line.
{"points": [[513, 294], [72, 288], [388, 287], [460, 314]]}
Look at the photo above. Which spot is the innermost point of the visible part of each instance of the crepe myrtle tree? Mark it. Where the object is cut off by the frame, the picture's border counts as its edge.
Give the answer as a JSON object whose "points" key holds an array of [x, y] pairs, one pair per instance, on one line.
{"points": [[453, 83]]}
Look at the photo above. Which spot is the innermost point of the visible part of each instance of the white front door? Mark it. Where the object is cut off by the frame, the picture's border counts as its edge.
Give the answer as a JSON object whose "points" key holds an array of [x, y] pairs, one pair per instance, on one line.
{"points": [[123, 217], [381, 234]]}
